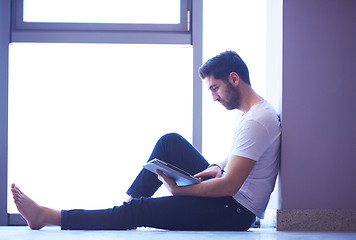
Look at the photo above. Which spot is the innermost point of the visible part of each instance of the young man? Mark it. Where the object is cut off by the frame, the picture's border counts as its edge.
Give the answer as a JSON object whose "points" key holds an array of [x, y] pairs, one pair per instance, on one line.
{"points": [[232, 192]]}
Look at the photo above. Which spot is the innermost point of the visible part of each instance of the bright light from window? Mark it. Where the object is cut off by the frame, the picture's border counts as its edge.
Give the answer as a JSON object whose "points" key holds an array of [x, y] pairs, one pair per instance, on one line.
{"points": [[83, 118], [237, 25], [103, 11]]}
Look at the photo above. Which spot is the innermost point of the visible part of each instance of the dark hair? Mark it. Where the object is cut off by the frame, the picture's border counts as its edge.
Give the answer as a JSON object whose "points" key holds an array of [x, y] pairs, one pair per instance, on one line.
{"points": [[223, 64]]}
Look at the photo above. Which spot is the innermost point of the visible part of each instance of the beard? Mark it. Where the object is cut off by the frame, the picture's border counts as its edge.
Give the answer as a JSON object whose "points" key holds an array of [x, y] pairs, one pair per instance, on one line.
{"points": [[232, 98]]}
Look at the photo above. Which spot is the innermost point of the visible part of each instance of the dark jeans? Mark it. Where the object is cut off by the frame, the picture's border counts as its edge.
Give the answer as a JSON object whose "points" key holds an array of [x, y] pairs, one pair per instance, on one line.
{"points": [[172, 212]]}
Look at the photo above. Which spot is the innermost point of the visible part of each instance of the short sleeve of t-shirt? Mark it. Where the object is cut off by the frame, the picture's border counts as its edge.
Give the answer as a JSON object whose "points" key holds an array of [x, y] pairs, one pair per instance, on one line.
{"points": [[251, 140]]}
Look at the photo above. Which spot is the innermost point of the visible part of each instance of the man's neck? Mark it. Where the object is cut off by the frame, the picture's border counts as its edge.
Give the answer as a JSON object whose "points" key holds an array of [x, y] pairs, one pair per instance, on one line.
{"points": [[249, 98]]}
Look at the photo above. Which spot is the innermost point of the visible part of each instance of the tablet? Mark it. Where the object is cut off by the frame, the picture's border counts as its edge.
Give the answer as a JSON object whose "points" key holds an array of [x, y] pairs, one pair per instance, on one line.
{"points": [[181, 177]]}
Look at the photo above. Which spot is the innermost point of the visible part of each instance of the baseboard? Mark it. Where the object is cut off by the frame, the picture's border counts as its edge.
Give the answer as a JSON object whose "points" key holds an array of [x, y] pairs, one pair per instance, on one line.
{"points": [[15, 219], [316, 220]]}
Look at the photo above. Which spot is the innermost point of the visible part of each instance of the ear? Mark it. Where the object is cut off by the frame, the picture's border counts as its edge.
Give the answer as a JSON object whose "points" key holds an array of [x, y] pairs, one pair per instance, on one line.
{"points": [[234, 79]]}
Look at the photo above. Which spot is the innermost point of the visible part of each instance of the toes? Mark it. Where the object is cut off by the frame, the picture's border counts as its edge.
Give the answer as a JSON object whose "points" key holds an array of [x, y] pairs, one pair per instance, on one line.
{"points": [[16, 197], [16, 190], [16, 194]]}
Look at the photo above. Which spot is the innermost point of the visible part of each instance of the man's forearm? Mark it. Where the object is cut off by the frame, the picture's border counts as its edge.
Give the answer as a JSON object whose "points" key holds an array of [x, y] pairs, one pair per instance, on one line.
{"points": [[237, 170], [216, 187]]}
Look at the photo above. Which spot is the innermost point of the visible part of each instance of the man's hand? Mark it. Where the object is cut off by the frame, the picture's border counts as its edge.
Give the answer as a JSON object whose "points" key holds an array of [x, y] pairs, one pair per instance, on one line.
{"points": [[211, 172], [168, 182]]}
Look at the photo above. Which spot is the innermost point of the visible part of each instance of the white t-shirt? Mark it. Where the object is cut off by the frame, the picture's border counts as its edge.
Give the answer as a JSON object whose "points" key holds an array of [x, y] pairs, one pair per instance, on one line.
{"points": [[257, 137]]}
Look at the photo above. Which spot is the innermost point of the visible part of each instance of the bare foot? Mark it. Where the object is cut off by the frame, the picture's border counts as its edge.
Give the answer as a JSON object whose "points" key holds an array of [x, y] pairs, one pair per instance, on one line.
{"points": [[36, 216]]}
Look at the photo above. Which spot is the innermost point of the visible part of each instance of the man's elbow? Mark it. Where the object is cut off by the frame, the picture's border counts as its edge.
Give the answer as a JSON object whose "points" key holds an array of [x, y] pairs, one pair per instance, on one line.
{"points": [[226, 187], [230, 191]]}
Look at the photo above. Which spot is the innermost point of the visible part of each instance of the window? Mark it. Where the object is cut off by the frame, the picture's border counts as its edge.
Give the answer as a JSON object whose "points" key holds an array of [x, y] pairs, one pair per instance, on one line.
{"points": [[83, 118], [103, 11], [103, 15]]}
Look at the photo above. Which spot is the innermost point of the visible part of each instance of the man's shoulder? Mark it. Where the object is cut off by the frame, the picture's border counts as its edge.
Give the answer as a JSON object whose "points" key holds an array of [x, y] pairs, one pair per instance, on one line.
{"points": [[263, 112]]}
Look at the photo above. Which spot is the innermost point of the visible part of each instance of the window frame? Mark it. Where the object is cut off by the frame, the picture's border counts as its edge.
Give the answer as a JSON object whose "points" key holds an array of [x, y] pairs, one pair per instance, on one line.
{"points": [[109, 32]]}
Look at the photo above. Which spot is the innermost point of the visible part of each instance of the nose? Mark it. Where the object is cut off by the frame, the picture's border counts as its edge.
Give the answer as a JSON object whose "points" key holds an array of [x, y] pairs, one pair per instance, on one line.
{"points": [[216, 97]]}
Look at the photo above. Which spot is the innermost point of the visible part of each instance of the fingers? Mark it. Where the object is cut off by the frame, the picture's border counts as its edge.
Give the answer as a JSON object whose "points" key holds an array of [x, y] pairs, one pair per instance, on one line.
{"points": [[209, 173], [167, 181], [159, 172], [201, 174], [161, 176], [205, 175]]}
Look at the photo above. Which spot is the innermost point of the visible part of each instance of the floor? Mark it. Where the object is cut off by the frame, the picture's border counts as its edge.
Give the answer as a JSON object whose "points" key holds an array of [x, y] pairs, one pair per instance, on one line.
{"points": [[24, 233]]}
